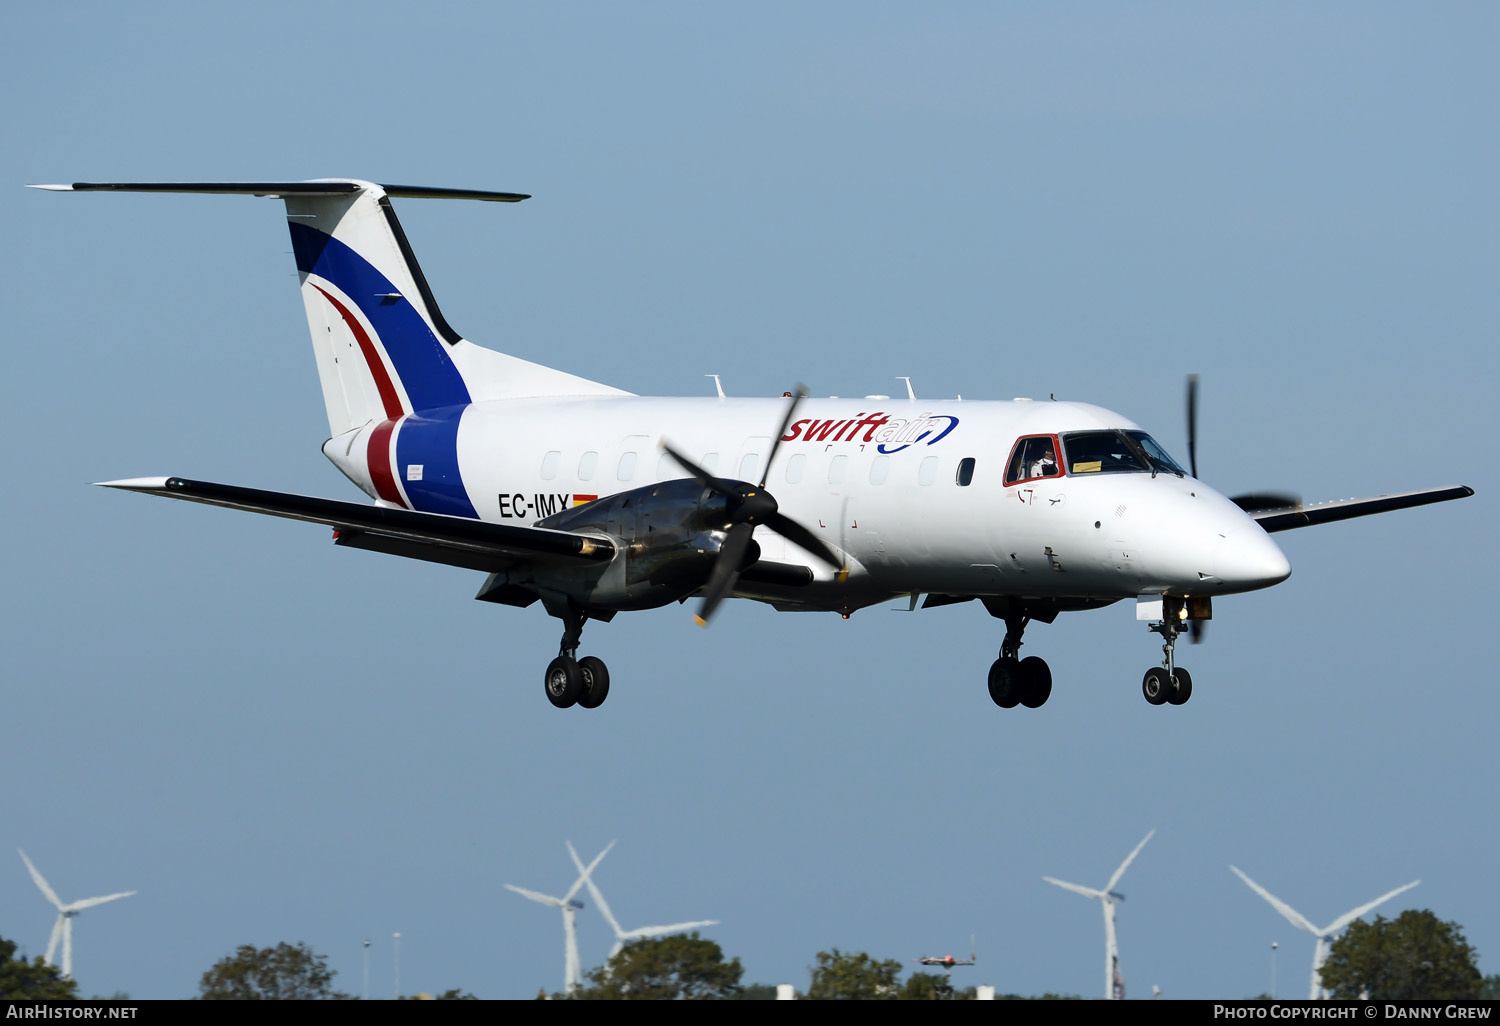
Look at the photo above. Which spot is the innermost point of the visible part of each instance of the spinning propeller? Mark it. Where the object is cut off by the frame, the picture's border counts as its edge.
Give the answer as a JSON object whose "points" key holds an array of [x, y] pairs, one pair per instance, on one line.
{"points": [[1251, 503], [748, 507]]}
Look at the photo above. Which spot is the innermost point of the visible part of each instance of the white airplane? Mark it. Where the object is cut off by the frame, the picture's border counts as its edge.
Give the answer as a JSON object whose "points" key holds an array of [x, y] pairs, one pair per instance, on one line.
{"points": [[596, 501]]}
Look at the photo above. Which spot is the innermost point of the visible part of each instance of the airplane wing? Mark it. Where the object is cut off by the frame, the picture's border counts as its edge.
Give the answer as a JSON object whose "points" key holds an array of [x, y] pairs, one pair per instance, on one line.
{"points": [[435, 537], [1287, 517]]}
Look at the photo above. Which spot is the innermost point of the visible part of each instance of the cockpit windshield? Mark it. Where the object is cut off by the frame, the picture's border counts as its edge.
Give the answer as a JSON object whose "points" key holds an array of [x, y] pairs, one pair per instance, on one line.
{"points": [[1114, 452]]}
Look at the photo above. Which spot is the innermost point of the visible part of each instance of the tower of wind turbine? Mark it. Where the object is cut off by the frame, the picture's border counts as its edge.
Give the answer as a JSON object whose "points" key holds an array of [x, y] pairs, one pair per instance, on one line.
{"points": [[63, 928], [622, 936], [1325, 936], [1113, 983], [571, 975]]}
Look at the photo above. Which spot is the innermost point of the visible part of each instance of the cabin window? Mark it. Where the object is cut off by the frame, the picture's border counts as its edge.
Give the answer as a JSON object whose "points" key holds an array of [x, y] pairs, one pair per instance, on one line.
{"points": [[965, 475], [927, 472], [749, 466], [838, 470], [880, 468], [710, 462], [667, 468], [550, 463], [795, 467], [626, 470], [1033, 458], [586, 464]]}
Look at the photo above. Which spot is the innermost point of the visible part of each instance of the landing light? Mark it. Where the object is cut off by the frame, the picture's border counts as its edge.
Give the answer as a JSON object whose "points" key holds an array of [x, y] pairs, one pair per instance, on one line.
{"points": [[1182, 612]]}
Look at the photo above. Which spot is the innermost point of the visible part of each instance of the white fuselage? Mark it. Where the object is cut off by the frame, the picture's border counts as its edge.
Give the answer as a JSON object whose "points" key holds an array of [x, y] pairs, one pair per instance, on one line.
{"points": [[876, 479]]}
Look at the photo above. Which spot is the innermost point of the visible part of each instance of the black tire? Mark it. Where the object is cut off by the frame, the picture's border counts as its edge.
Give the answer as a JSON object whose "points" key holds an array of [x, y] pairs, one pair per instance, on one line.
{"points": [[595, 682], [1156, 686], [1184, 689], [564, 682], [1005, 683], [1036, 678]]}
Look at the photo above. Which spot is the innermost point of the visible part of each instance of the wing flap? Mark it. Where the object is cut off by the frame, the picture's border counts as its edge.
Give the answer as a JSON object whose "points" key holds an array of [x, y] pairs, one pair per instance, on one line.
{"points": [[457, 541], [1287, 518]]}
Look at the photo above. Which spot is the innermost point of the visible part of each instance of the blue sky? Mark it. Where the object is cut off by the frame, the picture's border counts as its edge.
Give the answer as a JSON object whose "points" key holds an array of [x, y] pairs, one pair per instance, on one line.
{"points": [[271, 739]]}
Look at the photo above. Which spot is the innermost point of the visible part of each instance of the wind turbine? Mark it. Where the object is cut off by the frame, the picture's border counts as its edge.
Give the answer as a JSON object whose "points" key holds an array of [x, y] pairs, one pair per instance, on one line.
{"points": [[1325, 935], [63, 928], [1114, 986], [622, 936], [570, 907]]}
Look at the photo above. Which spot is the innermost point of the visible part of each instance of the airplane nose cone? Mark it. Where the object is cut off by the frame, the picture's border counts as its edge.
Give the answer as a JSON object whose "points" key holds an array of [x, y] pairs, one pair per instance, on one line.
{"points": [[1248, 559]]}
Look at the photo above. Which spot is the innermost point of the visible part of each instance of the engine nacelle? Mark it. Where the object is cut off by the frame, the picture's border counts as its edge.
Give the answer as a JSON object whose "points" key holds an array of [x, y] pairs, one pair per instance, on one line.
{"points": [[668, 534]]}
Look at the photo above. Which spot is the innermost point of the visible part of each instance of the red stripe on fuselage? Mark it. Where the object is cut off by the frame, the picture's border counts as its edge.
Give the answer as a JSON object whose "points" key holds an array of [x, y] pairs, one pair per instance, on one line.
{"points": [[378, 457], [388, 397]]}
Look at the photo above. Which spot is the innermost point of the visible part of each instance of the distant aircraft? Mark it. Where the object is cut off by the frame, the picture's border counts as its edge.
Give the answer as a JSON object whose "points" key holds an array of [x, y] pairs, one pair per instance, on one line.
{"points": [[595, 501]]}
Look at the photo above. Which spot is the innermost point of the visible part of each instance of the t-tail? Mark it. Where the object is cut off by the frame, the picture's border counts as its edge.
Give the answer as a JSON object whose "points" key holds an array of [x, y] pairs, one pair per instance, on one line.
{"points": [[396, 377]]}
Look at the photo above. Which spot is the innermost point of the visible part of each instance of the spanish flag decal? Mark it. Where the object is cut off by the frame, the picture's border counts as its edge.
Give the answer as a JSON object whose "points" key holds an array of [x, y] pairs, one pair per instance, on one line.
{"points": [[579, 500]]}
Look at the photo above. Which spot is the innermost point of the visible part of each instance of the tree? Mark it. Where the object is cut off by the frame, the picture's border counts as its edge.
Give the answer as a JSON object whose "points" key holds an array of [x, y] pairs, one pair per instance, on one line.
{"points": [[844, 977], [1415, 956], [671, 968], [36, 980], [284, 972]]}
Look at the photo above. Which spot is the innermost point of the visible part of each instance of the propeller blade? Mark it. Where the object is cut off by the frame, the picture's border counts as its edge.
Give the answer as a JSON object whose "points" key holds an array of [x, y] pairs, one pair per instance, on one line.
{"points": [[1192, 423], [799, 535], [726, 570], [1259, 502], [798, 394], [700, 475], [1196, 628]]}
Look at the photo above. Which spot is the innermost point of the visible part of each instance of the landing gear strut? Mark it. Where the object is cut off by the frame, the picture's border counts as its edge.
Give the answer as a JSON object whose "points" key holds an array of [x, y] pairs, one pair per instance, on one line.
{"points": [[570, 680], [1167, 684], [1015, 681]]}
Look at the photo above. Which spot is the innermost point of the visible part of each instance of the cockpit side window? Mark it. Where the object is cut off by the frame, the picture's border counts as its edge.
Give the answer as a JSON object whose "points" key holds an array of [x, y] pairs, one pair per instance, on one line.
{"points": [[1032, 458]]}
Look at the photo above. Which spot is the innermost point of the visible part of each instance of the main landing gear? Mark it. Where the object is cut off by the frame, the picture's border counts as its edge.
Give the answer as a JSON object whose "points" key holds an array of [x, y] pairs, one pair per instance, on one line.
{"points": [[1167, 684], [570, 680], [1015, 681]]}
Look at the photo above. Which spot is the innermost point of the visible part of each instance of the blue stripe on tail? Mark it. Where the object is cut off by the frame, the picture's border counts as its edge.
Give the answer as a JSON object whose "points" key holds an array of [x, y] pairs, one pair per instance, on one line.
{"points": [[420, 358]]}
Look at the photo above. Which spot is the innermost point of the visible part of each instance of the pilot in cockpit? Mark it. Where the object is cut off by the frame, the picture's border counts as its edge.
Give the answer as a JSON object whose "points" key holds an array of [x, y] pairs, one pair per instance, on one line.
{"points": [[1041, 460]]}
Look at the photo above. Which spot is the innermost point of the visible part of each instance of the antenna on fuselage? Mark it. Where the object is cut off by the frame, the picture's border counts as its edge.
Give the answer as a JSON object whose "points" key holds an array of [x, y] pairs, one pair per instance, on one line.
{"points": [[717, 385], [909, 393]]}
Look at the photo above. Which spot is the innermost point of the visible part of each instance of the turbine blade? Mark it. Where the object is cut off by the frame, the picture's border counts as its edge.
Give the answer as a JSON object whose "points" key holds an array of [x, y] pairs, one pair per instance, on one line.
{"points": [[57, 929], [1349, 917], [1087, 892], [545, 899], [79, 906], [41, 883], [587, 876], [1126, 864], [658, 931], [609, 917], [585, 873], [1294, 917]]}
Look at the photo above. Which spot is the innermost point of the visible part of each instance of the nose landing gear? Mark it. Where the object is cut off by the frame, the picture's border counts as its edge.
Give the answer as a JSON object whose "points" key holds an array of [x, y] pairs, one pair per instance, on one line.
{"points": [[1167, 684], [1014, 681]]}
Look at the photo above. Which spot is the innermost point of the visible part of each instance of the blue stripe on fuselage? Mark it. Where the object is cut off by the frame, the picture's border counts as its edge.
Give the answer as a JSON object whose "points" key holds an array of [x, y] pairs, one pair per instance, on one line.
{"points": [[420, 358], [430, 440]]}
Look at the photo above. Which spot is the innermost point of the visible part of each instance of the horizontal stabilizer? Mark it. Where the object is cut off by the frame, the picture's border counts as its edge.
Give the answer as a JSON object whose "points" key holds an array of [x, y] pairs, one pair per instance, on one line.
{"points": [[1272, 520], [448, 536], [331, 187]]}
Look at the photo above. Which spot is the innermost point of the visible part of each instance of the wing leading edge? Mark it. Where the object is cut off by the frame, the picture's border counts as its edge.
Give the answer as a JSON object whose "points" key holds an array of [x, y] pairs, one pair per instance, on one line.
{"points": [[1289, 517], [435, 537]]}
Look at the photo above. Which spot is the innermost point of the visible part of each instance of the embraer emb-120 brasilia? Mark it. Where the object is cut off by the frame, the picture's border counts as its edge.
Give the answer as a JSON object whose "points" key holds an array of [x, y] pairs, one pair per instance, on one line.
{"points": [[596, 501]]}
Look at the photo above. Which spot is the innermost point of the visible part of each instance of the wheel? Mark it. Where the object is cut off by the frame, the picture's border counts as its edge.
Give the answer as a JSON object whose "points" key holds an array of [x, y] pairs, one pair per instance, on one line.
{"points": [[1036, 678], [1184, 689], [1156, 686], [564, 682], [1005, 683], [595, 682]]}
